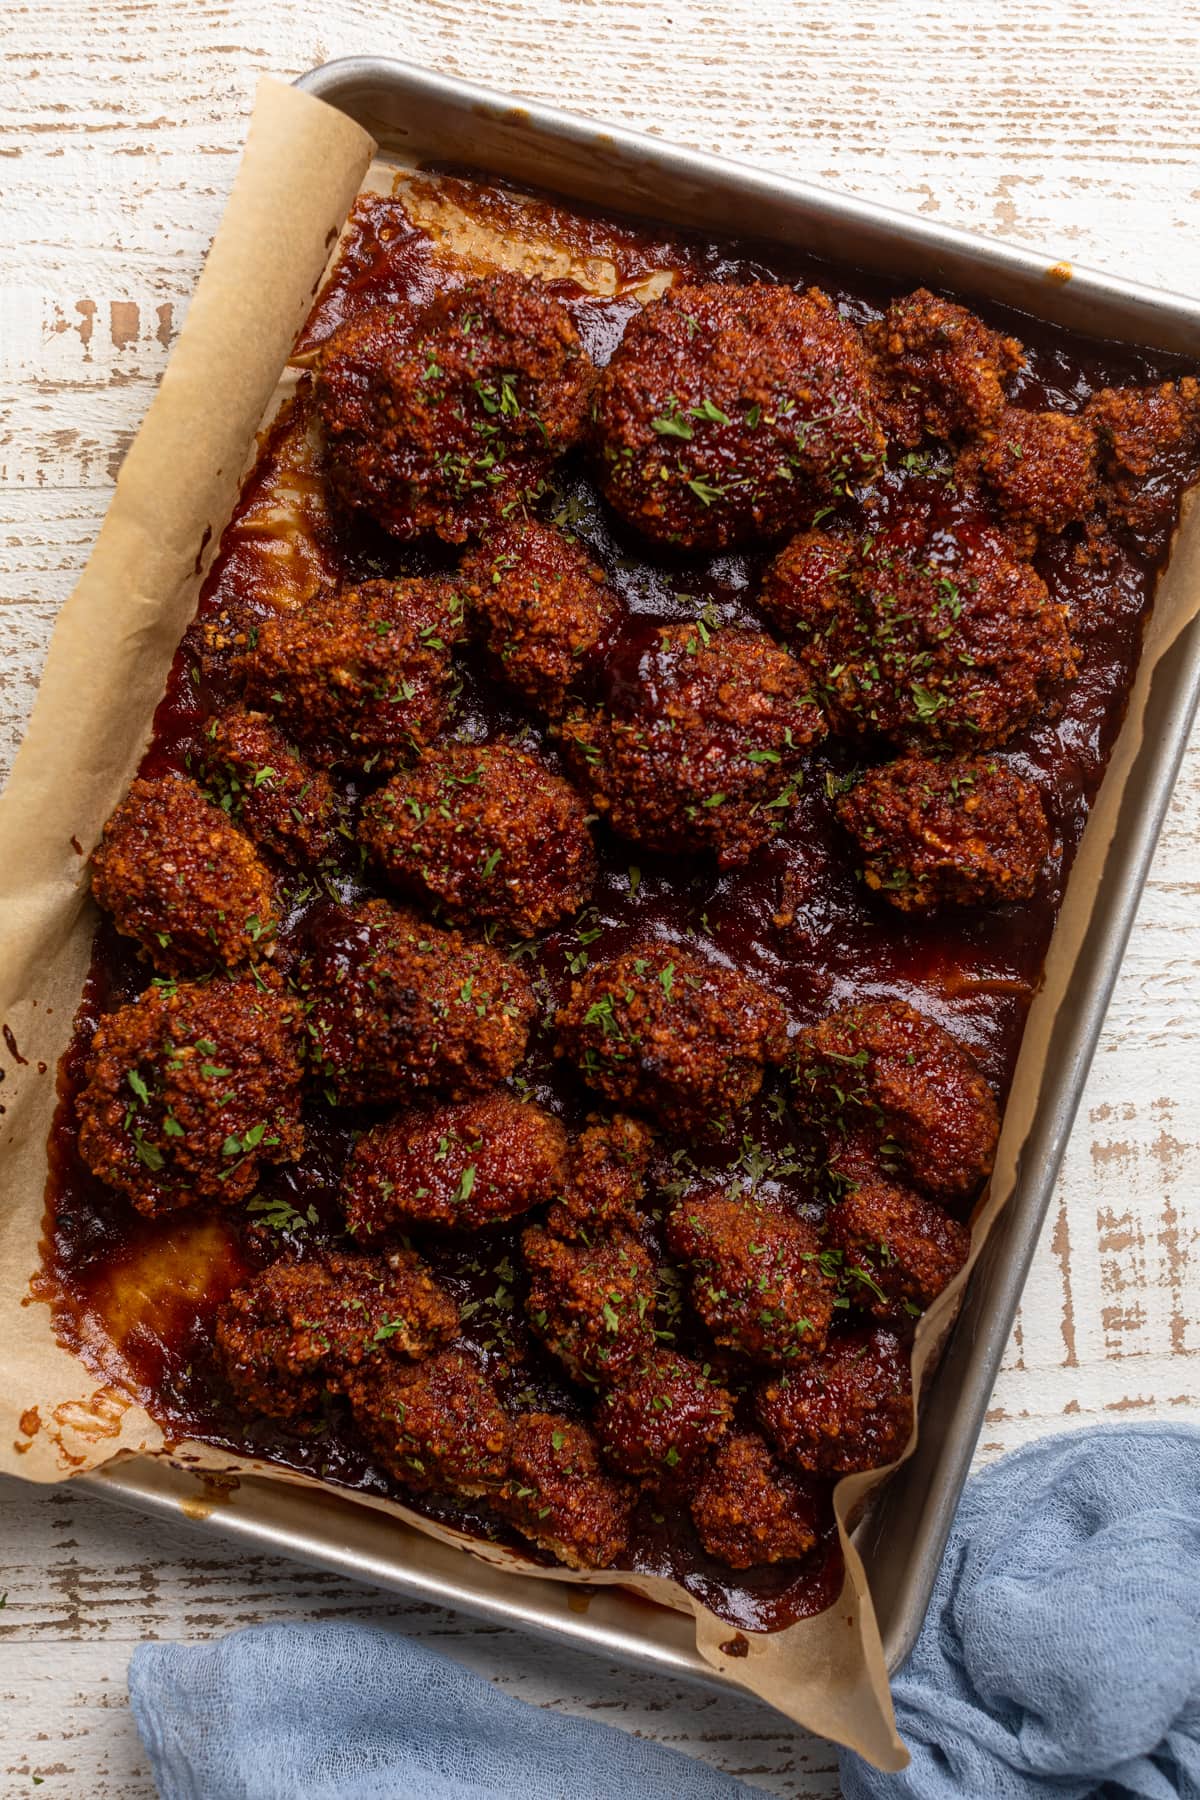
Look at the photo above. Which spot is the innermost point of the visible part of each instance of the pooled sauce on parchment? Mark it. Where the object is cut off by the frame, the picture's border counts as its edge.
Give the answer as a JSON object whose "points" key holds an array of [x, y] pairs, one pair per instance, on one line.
{"points": [[137, 1297]]}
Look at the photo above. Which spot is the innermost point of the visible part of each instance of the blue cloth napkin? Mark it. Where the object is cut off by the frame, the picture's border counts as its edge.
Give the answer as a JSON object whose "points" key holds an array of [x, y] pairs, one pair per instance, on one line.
{"points": [[1061, 1657], [353, 1712], [1061, 1654]]}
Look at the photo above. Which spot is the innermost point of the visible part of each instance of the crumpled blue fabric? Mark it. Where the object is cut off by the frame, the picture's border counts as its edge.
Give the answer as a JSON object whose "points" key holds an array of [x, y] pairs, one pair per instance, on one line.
{"points": [[355, 1712], [1060, 1657], [1061, 1653]]}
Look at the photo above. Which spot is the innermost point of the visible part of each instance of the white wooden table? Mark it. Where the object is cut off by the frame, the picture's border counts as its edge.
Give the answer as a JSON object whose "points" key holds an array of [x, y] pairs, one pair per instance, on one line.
{"points": [[1068, 123]]}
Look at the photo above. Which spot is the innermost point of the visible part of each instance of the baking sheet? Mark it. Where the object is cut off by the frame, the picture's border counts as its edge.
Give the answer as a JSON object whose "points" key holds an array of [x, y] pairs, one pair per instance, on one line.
{"points": [[104, 676]]}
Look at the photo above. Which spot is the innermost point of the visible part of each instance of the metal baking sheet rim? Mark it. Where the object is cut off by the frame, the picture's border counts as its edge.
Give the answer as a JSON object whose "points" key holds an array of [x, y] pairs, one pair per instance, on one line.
{"points": [[904, 1532]]}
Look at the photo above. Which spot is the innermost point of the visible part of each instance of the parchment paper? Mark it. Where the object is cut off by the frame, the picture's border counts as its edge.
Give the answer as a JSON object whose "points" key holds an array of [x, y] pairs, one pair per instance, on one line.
{"points": [[104, 675]]}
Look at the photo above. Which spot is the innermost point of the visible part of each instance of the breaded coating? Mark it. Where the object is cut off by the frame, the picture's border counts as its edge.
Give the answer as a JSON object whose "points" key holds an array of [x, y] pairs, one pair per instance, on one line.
{"points": [[436, 1425], [703, 747], [728, 410], [757, 1279], [363, 675], [190, 1090], [591, 1304], [882, 1081], [268, 789], [938, 369], [297, 1328], [442, 417], [543, 607], [659, 1028], [925, 635], [1041, 466], [561, 1498], [849, 1409], [460, 1164], [605, 1178], [397, 1006], [804, 590], [963, 831], [486, 830], [1148, 441], [178, 877], [897, 1250], [663, 1418], [748, 1511]]}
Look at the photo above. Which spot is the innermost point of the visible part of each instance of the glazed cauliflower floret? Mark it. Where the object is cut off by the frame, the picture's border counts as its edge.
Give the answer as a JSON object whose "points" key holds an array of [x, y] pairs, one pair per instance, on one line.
{"points": [[561, 1498], [362, 675], [543, 608], [748, 1511], [662, 1419], [659, 1028], [961, 831], [700, 748], [807, 587], [922, 635], [1148, 439], [847, 1410], [757, 1279], [297, 1328], [938, 369], [591, 1304], [605, 1178], [1041, 467], [459, 1164], [179, 878], [885, 1084], [436, 1425], [727, 410], [397, 1006], [898, 1250], [190, 1090], [486, 830], [442, 417], [268, 789]]}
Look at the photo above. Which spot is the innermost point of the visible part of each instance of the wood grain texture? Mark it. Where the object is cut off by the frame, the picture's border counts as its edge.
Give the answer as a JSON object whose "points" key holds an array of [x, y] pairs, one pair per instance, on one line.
{"points": [[1072, 126]]}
